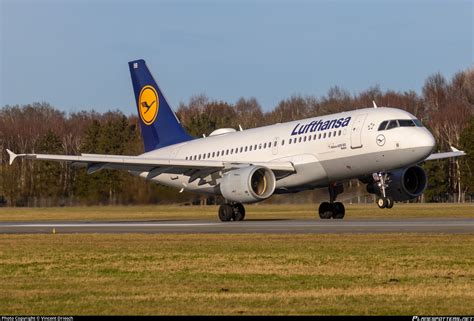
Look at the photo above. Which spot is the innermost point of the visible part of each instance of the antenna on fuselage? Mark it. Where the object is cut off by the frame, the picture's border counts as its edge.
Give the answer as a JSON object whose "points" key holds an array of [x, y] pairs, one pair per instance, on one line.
{"points": [[375, 105]]}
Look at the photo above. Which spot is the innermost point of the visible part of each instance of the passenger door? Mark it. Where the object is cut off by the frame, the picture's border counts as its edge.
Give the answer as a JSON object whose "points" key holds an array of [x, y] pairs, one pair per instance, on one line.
{"points": [[356, 132]]}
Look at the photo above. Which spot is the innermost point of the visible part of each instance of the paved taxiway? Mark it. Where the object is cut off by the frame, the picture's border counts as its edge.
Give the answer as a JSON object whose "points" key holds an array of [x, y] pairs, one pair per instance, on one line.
{"points": [[249, 226]]}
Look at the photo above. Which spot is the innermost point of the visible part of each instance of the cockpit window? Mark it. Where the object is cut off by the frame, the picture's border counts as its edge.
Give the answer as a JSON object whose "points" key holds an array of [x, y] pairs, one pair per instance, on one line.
{"points": [[406, 123], [418, 122], [392, 124], [383, 125], [386, 125]]}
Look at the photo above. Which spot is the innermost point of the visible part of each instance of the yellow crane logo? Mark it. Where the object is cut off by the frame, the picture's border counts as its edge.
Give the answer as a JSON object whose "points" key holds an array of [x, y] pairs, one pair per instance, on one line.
{"points": [[148, 104]]}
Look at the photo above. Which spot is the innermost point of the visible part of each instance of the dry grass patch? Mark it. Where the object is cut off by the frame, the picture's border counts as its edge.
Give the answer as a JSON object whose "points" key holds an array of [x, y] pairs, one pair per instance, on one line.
{"points": [[257, 211], [237, 274]]}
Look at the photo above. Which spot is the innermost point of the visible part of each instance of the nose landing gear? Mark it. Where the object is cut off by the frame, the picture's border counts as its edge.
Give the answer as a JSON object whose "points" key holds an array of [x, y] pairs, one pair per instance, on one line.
{"points": [[384, 200]]}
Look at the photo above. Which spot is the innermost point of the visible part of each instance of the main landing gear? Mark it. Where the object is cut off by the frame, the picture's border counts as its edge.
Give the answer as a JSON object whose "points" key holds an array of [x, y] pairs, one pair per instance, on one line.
{"points": [[232, 211], [332, 209], [384, 200]]}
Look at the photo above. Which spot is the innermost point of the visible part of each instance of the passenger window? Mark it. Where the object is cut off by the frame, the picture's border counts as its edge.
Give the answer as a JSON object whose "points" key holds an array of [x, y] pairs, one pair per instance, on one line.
{"points": [[329, 134], [227, 152], [319, 136], [241, 149], [213, 154], [217, 153], [289, 142], [250, 148], [383, 125], [265, 145], [324, 136], [340, 132], [392, 124], [208, 155], [282, 142], [275, 143], [309, 137]]}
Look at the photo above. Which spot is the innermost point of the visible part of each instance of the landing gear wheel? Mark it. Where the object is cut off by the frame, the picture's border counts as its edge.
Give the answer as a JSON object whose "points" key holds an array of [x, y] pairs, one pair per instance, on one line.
{"points": [[382, 202], [238, 212], [339, 210], [225, 212], [326, 210], [390, 202]]}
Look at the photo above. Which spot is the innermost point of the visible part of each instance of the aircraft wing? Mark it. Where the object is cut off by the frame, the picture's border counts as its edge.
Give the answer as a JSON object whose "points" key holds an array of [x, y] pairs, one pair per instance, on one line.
{"points": [[155, 166], [453, 153]]}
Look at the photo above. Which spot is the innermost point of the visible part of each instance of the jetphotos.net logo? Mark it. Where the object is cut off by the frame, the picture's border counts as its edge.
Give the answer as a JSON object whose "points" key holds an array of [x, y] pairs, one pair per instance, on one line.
{"points": [[417, 318], [148, 104]]}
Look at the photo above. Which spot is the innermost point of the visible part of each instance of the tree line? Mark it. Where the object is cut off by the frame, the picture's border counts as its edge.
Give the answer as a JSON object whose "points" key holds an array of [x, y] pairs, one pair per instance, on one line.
{"points": [[446, 107]]}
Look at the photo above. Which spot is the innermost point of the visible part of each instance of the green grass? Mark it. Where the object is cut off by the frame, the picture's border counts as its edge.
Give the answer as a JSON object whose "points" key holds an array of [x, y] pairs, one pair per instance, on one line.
{"points": [[409, 274], [258, 211]]}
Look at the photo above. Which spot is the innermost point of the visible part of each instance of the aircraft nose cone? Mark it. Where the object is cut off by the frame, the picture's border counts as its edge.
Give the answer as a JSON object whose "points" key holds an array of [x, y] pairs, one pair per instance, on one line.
{"points": [[425, 143], [428, 140]]}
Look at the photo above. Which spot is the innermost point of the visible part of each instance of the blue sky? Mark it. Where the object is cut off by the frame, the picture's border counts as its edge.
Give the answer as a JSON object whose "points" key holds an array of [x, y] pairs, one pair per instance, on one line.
{"points": [[74, 54]]}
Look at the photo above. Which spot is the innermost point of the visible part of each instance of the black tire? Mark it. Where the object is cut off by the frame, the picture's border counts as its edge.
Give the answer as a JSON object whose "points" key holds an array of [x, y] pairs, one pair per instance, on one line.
{"points": [[225, 212], [326, 210], [339, 210], [390, 202], [239, 212], [382, 202]]}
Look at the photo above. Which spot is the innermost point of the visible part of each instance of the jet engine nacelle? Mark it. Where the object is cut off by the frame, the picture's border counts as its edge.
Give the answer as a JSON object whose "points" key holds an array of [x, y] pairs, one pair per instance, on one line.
{"points": [[248, 184], [404, 184]]}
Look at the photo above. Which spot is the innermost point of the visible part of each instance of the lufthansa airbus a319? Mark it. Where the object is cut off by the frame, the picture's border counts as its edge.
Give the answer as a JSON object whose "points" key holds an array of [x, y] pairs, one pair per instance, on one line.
{"points": [[381, 147]]}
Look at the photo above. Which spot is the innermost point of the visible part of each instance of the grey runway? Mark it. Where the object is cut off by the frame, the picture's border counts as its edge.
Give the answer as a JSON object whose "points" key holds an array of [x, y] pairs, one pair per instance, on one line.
{"points": [[444, 225]]}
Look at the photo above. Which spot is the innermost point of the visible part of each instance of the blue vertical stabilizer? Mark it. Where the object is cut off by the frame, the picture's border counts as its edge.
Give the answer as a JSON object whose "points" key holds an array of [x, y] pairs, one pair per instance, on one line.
{"points": [[158, 123]]}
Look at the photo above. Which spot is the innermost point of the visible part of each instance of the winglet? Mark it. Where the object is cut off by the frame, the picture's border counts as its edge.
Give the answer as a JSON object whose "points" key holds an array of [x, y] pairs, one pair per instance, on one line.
{"points": [[454, 149], [375, 105], [12, 156]]}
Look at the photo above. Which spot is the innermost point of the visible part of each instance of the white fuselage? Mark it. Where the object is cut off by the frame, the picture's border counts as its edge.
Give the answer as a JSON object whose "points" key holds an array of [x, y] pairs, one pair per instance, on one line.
{"points": [[323, 150]]}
